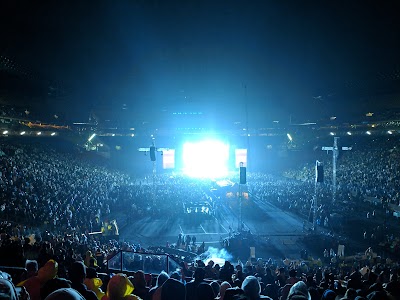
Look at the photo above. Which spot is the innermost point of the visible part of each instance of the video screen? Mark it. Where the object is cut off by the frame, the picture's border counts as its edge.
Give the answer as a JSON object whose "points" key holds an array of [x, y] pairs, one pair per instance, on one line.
{"points": [[240, 157], [169, 159]]}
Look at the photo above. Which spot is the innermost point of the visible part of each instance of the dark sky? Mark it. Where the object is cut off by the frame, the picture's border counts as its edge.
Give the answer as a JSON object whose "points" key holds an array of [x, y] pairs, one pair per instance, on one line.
{"points": [[207, 55]]}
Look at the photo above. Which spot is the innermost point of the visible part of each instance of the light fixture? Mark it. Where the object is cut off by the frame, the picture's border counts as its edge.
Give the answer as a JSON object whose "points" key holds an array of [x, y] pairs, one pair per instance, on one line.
{"points": [[39, 133], [390, 132], [289, 137], [331, 133], [22, 133], [91, 137], [348, 133], [5, 131], [132, 135], [113, 134], [53, 134], [368, 132]]}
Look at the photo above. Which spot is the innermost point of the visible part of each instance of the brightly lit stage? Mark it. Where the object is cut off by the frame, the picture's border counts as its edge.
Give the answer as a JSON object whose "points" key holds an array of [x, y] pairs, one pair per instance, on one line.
{"points": [[216, 161], [200, 158]]}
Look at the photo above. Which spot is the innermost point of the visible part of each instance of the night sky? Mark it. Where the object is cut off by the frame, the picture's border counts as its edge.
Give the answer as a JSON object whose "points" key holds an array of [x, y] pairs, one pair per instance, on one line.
{"points": [[308, 59]]}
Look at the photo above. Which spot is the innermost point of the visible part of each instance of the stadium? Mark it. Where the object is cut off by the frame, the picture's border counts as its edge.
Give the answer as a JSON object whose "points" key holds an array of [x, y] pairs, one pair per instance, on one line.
{"points": [[198, 168]]}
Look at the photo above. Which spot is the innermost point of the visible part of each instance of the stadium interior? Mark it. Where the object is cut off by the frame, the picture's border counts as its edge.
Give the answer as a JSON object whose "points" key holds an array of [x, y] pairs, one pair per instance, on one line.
{"points": [[192, 170]]}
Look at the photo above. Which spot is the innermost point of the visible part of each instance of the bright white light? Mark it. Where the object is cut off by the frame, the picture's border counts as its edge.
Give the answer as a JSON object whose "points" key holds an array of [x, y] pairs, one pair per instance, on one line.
{"points": [[53, 134], [348, 133], [332, 133], [113, 134], [39, 133], [132, 135], [390, 132], [207, 159], [5, 131], [91, 137], [22, 133], [368, 132], [289, 137]]}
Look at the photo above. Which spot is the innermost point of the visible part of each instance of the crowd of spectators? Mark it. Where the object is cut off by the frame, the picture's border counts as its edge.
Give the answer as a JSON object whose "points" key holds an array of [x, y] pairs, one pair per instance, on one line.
{"points": [[370, 169], [167, 198], [367, 188], [42, 187], [45, 195], [60, 266]]}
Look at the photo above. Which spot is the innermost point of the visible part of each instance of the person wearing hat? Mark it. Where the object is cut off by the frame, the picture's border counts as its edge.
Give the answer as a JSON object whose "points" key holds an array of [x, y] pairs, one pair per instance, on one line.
{"points": [[161, 278], [252, 288], [94, 283], [299, 291], [328, 295], [35, 283], [120, 288]]}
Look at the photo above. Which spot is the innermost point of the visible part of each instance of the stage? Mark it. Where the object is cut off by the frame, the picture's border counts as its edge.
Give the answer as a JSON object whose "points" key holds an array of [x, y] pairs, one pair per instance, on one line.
{"points": [[277, 233]]}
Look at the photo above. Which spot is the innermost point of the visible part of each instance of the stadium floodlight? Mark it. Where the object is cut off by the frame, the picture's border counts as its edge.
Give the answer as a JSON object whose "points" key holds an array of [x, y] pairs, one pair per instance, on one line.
{"points": [[91, 137], [289, 137], [349, 133], [39, 133], [331, 133], [390, 132], [5, 131], [53, 134], [368, 132], [22, 133]]}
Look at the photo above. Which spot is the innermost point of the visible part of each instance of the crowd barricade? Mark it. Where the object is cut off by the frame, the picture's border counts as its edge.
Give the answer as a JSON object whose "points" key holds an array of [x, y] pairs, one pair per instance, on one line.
{"points": [[130, 261]]}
